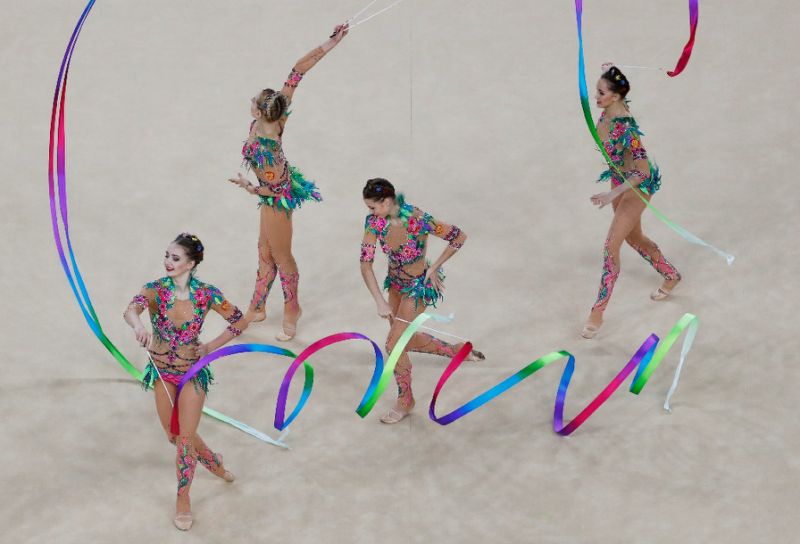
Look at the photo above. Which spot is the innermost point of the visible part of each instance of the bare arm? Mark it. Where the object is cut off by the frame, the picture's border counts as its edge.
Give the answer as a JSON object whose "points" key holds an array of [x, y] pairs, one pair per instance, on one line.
{"points": [[132, 317], [232, 315], [368, 274], [310, 59], [245, 184], [454, 236]]}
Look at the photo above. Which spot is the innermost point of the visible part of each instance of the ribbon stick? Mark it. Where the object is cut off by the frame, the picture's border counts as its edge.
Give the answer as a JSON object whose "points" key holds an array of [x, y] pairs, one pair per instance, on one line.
{"points": [[357, 15], [584, 96], [362, 21], [57, 189]]}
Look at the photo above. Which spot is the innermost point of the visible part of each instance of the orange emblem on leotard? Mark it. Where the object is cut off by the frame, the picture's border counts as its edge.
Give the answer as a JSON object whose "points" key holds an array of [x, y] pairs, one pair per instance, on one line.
{"points": [[635, 143], [439, 229], [225, 306], [269, 175]]}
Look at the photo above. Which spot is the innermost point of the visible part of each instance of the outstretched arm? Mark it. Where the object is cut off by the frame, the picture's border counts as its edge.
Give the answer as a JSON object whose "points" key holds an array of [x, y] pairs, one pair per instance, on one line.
{"points": [[302, 66]]}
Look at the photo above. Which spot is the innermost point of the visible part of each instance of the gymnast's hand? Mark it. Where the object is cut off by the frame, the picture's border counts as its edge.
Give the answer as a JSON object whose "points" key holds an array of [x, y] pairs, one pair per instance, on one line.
{"points": [[200, 350], [339, 33], [384, 310], [242, 182], [432, 276], [603, 199], [143, 336]]}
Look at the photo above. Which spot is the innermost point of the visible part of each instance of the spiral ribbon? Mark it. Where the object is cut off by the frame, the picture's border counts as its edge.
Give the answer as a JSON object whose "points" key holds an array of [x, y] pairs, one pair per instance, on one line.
{"points": [[587, 114], [644, 362]]}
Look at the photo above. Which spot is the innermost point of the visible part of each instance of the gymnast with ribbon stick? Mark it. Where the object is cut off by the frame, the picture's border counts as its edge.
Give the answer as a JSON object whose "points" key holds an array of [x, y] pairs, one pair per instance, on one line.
{"points": [[178, 304], [281, 189], [413, 283], [622, 140]]}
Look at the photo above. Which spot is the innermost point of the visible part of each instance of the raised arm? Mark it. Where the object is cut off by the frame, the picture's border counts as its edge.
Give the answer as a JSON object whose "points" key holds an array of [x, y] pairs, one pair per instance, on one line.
{"points": [[302, 66]]}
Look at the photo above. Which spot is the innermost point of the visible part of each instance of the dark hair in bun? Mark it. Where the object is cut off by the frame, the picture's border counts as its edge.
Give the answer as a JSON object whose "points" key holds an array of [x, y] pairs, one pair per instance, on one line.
{"points": [[617, 81], [378, 189], [193, 246]]}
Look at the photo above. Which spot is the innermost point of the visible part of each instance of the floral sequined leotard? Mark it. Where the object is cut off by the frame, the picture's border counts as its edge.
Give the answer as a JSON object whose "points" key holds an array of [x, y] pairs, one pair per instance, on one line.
{"points": [[177, 325], [404, 245], [265, 156], [625, 148]]}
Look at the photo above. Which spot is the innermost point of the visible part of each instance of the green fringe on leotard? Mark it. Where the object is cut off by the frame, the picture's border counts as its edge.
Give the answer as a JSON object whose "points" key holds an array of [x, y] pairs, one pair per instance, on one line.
{"points": [[201, 381], [301, 190]]}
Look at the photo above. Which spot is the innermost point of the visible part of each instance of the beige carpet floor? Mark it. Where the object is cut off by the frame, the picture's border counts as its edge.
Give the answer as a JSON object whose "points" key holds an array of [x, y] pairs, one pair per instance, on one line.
{"points": [[472, 109]]}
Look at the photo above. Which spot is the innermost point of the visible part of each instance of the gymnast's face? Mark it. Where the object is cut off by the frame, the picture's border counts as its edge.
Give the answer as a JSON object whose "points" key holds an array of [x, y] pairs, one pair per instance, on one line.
{"points": [[176, 262], [605, 96], [381, 208]]}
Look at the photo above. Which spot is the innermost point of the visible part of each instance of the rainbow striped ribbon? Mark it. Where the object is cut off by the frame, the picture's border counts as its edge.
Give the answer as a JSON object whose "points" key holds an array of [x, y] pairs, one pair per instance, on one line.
{"points": [[646, 359]]}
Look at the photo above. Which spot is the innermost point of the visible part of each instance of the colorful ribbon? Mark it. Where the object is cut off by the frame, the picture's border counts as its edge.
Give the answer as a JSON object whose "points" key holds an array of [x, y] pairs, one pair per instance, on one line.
{"points": [[281, 422], [584, 95], [687, 49], [644, 362], [56, 169]]}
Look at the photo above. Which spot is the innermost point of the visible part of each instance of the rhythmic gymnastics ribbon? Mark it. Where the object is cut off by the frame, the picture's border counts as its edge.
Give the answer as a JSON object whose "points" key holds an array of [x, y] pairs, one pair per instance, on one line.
{"points": [[281, 421], [584, 95], [687, 49], [646, 359], [58, 191]]}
